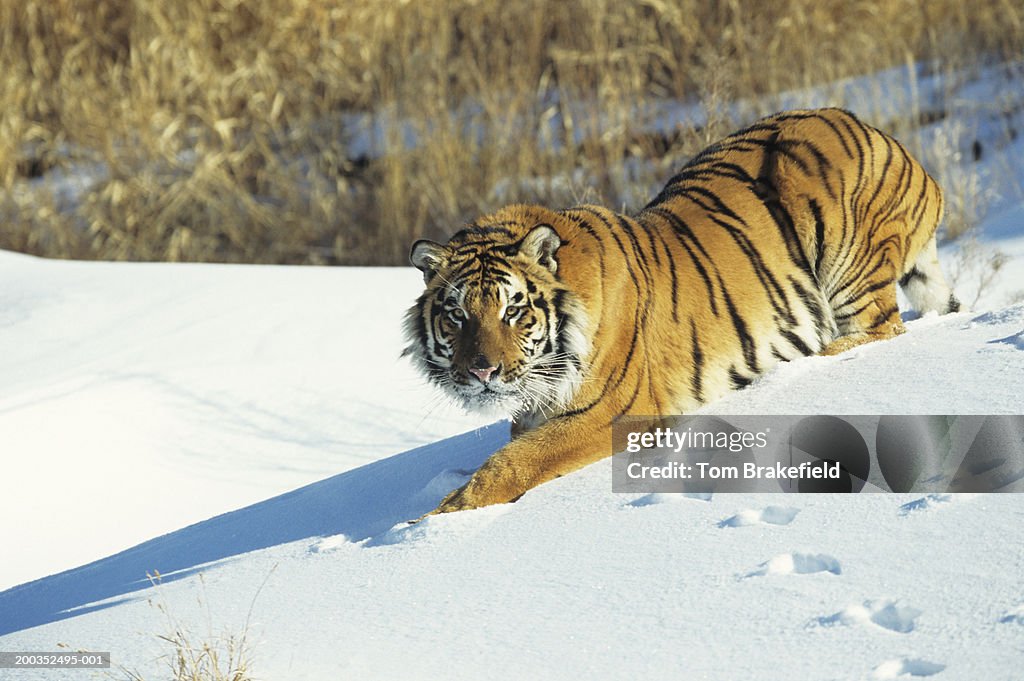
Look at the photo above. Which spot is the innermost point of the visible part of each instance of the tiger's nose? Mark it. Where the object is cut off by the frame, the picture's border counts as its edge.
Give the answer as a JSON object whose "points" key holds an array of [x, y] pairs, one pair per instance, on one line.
{"points": [[483, 374], [483, 369]]}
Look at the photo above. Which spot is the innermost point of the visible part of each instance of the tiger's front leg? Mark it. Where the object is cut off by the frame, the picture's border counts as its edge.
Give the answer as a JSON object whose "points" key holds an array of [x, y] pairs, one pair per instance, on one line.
{"points": [[550, 451]]}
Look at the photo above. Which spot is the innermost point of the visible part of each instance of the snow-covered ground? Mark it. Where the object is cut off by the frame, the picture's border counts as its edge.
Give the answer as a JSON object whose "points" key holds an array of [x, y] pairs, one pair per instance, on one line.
{"points": [[138, 398], [265, 411]]}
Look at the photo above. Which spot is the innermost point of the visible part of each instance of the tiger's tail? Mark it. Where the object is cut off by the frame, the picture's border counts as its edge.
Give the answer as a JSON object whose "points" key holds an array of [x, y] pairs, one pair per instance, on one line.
{"points": [[922, 279], [925, 286]]}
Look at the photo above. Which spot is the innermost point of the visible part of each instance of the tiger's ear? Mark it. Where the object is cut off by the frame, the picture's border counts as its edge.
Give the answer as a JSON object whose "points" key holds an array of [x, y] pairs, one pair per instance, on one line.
{"points": [[428, 257], [540, 245]]}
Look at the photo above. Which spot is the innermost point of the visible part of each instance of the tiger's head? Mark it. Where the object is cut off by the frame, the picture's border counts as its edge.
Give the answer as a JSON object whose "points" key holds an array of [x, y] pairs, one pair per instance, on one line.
{"points": [[495, 328]]}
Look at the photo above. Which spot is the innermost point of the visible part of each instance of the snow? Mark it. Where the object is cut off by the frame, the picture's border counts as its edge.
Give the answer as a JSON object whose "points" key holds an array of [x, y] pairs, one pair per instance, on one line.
{"points": [[570, 582], [981, 380], [246, 438], [145, 397]]}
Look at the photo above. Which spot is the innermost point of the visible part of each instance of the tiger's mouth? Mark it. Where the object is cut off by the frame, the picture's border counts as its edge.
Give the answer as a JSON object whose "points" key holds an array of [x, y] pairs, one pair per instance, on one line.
{"points": [[496, 388], [499, 394], [492, 400], [544, 385]]}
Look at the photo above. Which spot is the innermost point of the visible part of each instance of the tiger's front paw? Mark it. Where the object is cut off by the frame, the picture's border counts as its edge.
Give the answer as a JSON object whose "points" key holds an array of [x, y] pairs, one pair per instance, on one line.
{"points": [[456, 500], [497, 482]]}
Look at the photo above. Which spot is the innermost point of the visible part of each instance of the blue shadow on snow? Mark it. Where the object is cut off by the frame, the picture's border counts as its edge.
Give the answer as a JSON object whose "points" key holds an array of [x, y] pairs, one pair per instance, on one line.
{"points": [[360, 503]]}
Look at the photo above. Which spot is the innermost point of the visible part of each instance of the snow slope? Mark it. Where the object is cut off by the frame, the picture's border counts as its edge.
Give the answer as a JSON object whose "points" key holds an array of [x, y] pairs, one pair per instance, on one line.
{"points": [[981, 374], [137, 398], [576, 582]]}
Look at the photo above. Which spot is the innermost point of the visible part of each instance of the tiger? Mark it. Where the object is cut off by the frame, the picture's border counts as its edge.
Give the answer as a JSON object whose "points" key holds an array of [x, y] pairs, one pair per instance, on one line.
{"points": [[782, 240]]}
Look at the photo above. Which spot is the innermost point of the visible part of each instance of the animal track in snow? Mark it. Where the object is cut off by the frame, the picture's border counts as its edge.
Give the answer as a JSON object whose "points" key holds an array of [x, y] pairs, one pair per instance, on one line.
{"points": [[1014, 341], [329, 544], [772, 515], [669, 498], [906, 668], [1015, 616], [436, 527], [797, 564], [927, 503], [881, 613]]}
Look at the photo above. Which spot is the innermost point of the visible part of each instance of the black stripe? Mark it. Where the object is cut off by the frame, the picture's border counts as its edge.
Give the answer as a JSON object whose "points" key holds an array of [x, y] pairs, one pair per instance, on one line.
{"points": [[883, 316], [797, 342], [856, 312], [764, 275], [812, 303], [718, 207], [865, 290], [835, 129], [879, 181], [650, 237], [783, 147], [541, 304], [632, 400], [738, 380], [913, 274], [819, 236], [641, 257], [746, 340], [638, 318], [696, 383], [651, 231], [482, 231], [682, 232], [587, 407], [860, 270], [768, 195], [562, 319]]}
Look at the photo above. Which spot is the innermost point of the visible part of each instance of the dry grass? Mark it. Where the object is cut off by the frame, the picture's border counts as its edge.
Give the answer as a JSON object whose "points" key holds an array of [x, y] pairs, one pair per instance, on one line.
{"points": [[212, 129], [206, 657]]}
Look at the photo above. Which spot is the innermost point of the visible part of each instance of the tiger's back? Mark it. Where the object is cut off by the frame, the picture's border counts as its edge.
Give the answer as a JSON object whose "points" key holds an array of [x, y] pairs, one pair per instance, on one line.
{"points": [[784, 239]]}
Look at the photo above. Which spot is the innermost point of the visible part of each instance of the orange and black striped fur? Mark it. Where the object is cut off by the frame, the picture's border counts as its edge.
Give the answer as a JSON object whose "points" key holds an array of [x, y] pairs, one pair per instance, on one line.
{"points": [[782, 240]]}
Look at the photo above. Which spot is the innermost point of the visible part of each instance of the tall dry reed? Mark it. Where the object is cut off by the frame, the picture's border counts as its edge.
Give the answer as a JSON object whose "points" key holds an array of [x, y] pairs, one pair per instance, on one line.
{"points": [[222, 130]]}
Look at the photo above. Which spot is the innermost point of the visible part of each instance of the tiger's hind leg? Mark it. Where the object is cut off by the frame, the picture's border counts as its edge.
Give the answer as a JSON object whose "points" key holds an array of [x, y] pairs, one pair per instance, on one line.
{"points": [[876, 316], [925, 285], [873, 315]]}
